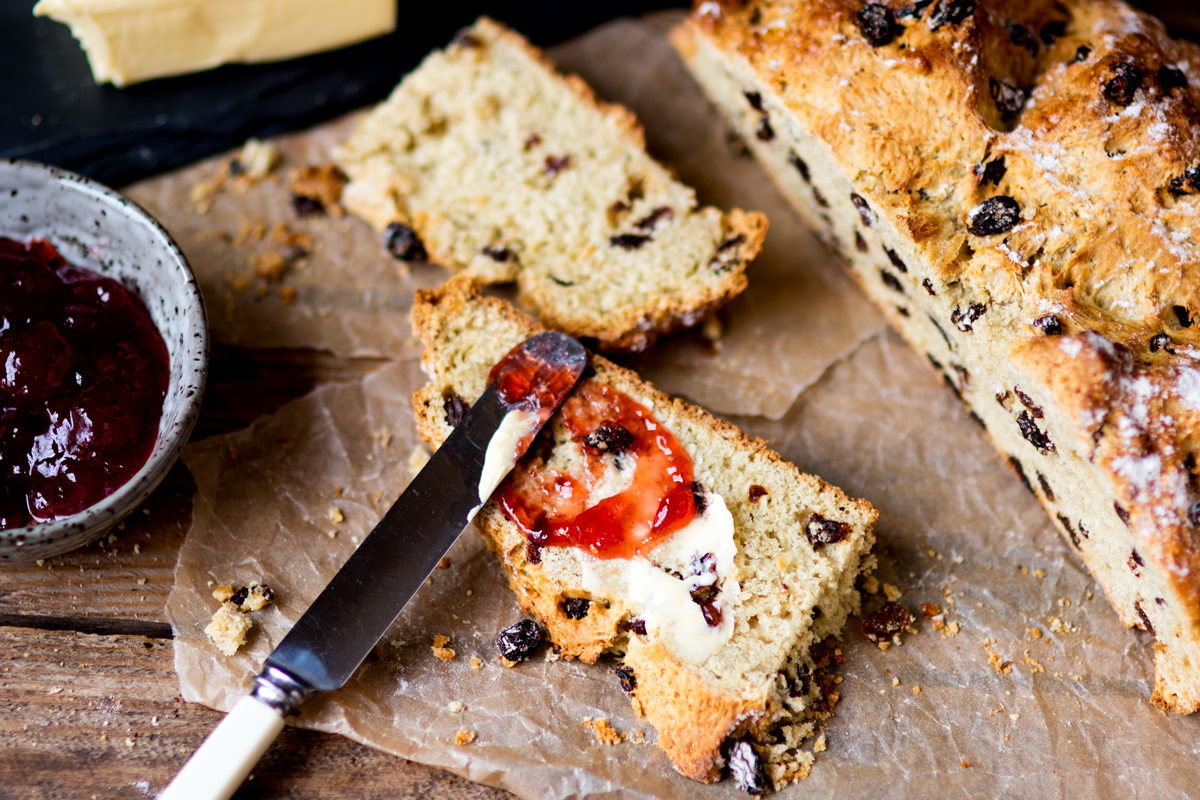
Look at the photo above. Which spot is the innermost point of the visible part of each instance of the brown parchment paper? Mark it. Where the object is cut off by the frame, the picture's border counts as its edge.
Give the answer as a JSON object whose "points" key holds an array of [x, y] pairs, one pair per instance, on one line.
{"points": [[1042, 692]]}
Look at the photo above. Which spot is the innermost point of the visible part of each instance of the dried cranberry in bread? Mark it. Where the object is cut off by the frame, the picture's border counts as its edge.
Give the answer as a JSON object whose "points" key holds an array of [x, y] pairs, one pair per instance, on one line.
{"points": [[780, 573], [511, 172], [1017, 184]]}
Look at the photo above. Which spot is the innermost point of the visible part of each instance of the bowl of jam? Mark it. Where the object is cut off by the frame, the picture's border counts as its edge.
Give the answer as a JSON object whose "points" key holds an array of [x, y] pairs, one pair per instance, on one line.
{"points": [[103, 358]]}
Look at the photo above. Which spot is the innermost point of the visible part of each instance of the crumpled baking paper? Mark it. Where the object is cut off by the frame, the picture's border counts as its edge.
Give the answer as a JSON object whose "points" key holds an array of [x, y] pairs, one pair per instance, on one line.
{"points": [[1040, 693]]}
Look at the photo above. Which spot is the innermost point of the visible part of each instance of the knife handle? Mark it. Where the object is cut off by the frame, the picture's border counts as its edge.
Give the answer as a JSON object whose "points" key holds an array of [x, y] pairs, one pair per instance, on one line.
{"points": [[217, 769]]}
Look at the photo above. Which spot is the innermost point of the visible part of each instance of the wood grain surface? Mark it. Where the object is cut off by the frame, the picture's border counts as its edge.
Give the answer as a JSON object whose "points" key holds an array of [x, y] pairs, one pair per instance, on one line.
{"points": [[89, 700]]}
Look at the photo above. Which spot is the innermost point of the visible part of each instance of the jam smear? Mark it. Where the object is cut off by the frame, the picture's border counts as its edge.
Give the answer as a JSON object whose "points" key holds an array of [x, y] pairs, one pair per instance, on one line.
{"points": [[552, 507], [537, 372], [83, 375]]}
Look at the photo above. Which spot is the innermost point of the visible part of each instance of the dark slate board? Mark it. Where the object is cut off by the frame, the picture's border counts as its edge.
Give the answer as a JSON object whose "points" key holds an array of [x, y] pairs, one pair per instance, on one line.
{"points": [[51, 110]]}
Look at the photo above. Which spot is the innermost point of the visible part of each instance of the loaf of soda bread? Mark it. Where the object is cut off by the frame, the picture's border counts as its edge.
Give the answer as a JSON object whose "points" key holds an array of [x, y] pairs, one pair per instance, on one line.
{"points": [[800, 544], [511, 172], [1017, 185]]}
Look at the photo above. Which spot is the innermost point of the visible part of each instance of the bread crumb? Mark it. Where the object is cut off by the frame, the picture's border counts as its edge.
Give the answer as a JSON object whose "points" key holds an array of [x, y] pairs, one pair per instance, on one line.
{"points": [[204, 192], [257, 160], [270, 266], [228, 628], [930, 610], [605, 732], [1039, 573], [964, 764], [251, 597], [819, 744], [1034, 663], [55, 690], [439, 648], [476, 663], [639, 736], [892, 593], [1014, 717], [417, 459], [916, 690], [951, 629], [871, 584], [323, 184], [895, 681], [257, 596], [504, 662], [1033, 633], [445, 563], [250, 230], [995, 660], [287, 294], [464, 736], [1057, 625], [336, 516], [455, 707]]}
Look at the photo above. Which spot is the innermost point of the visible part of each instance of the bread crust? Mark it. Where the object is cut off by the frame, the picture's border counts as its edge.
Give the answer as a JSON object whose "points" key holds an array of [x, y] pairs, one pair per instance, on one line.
{"points": [[1093, 109]]}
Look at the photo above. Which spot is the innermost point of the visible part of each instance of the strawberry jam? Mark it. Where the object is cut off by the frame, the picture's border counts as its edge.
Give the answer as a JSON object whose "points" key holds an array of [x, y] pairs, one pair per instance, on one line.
{"points": [[554, 508], [83, 374]]}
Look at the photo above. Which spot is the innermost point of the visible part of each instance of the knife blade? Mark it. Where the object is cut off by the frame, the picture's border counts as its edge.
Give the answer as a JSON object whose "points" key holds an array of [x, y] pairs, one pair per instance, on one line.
{"points": [[333, 637]]}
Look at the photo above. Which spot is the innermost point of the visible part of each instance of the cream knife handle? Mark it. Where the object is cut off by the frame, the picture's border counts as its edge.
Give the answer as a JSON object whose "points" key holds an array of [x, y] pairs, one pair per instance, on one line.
{"points": [[217, 769]]}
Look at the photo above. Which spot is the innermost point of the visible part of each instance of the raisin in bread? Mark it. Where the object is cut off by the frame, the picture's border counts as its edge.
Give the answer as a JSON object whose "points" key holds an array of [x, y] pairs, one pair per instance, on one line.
{"points": [[1017, 184], [800, 544], [511, 172]]}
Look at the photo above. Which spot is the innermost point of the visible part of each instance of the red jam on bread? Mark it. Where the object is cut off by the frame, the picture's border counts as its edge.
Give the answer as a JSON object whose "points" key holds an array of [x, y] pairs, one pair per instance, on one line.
{"points": [[555, 508], [83, 375]]}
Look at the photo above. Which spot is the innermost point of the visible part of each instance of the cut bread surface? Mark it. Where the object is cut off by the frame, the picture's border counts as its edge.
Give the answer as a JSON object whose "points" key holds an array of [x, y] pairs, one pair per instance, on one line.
{"points": [[1009, 182], [762, 681], [511, 172]]}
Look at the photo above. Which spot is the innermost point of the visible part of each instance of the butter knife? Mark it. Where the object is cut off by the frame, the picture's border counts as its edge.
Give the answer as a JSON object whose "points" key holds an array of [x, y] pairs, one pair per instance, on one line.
{"points": [[329, 642]]}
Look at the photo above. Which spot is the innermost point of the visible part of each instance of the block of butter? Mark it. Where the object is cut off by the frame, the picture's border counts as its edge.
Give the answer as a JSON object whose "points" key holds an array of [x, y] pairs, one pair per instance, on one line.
{"points": [[134, 40]]}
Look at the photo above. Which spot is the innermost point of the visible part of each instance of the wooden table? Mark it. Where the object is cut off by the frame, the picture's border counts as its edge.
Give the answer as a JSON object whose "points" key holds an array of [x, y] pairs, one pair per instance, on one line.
{"points": [[89, 700]]}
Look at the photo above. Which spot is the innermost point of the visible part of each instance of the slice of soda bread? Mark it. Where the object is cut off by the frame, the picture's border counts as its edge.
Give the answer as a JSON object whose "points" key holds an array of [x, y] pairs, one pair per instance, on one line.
{"points": [[511, 172], [800, 544]]}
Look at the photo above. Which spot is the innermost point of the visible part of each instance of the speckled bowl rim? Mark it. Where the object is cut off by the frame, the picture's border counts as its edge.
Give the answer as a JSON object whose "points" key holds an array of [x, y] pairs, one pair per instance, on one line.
{"points": [[85, 527]]}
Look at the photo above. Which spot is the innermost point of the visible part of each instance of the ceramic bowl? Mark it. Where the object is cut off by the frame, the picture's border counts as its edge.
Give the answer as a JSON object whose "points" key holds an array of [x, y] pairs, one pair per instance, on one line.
{"points": [[95, 227]]}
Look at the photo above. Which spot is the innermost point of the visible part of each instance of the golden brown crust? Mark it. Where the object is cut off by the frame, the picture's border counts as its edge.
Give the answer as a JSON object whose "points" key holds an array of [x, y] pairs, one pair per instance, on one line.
{"points": [[1087, 232], [692, 720], [1132, 420]]}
